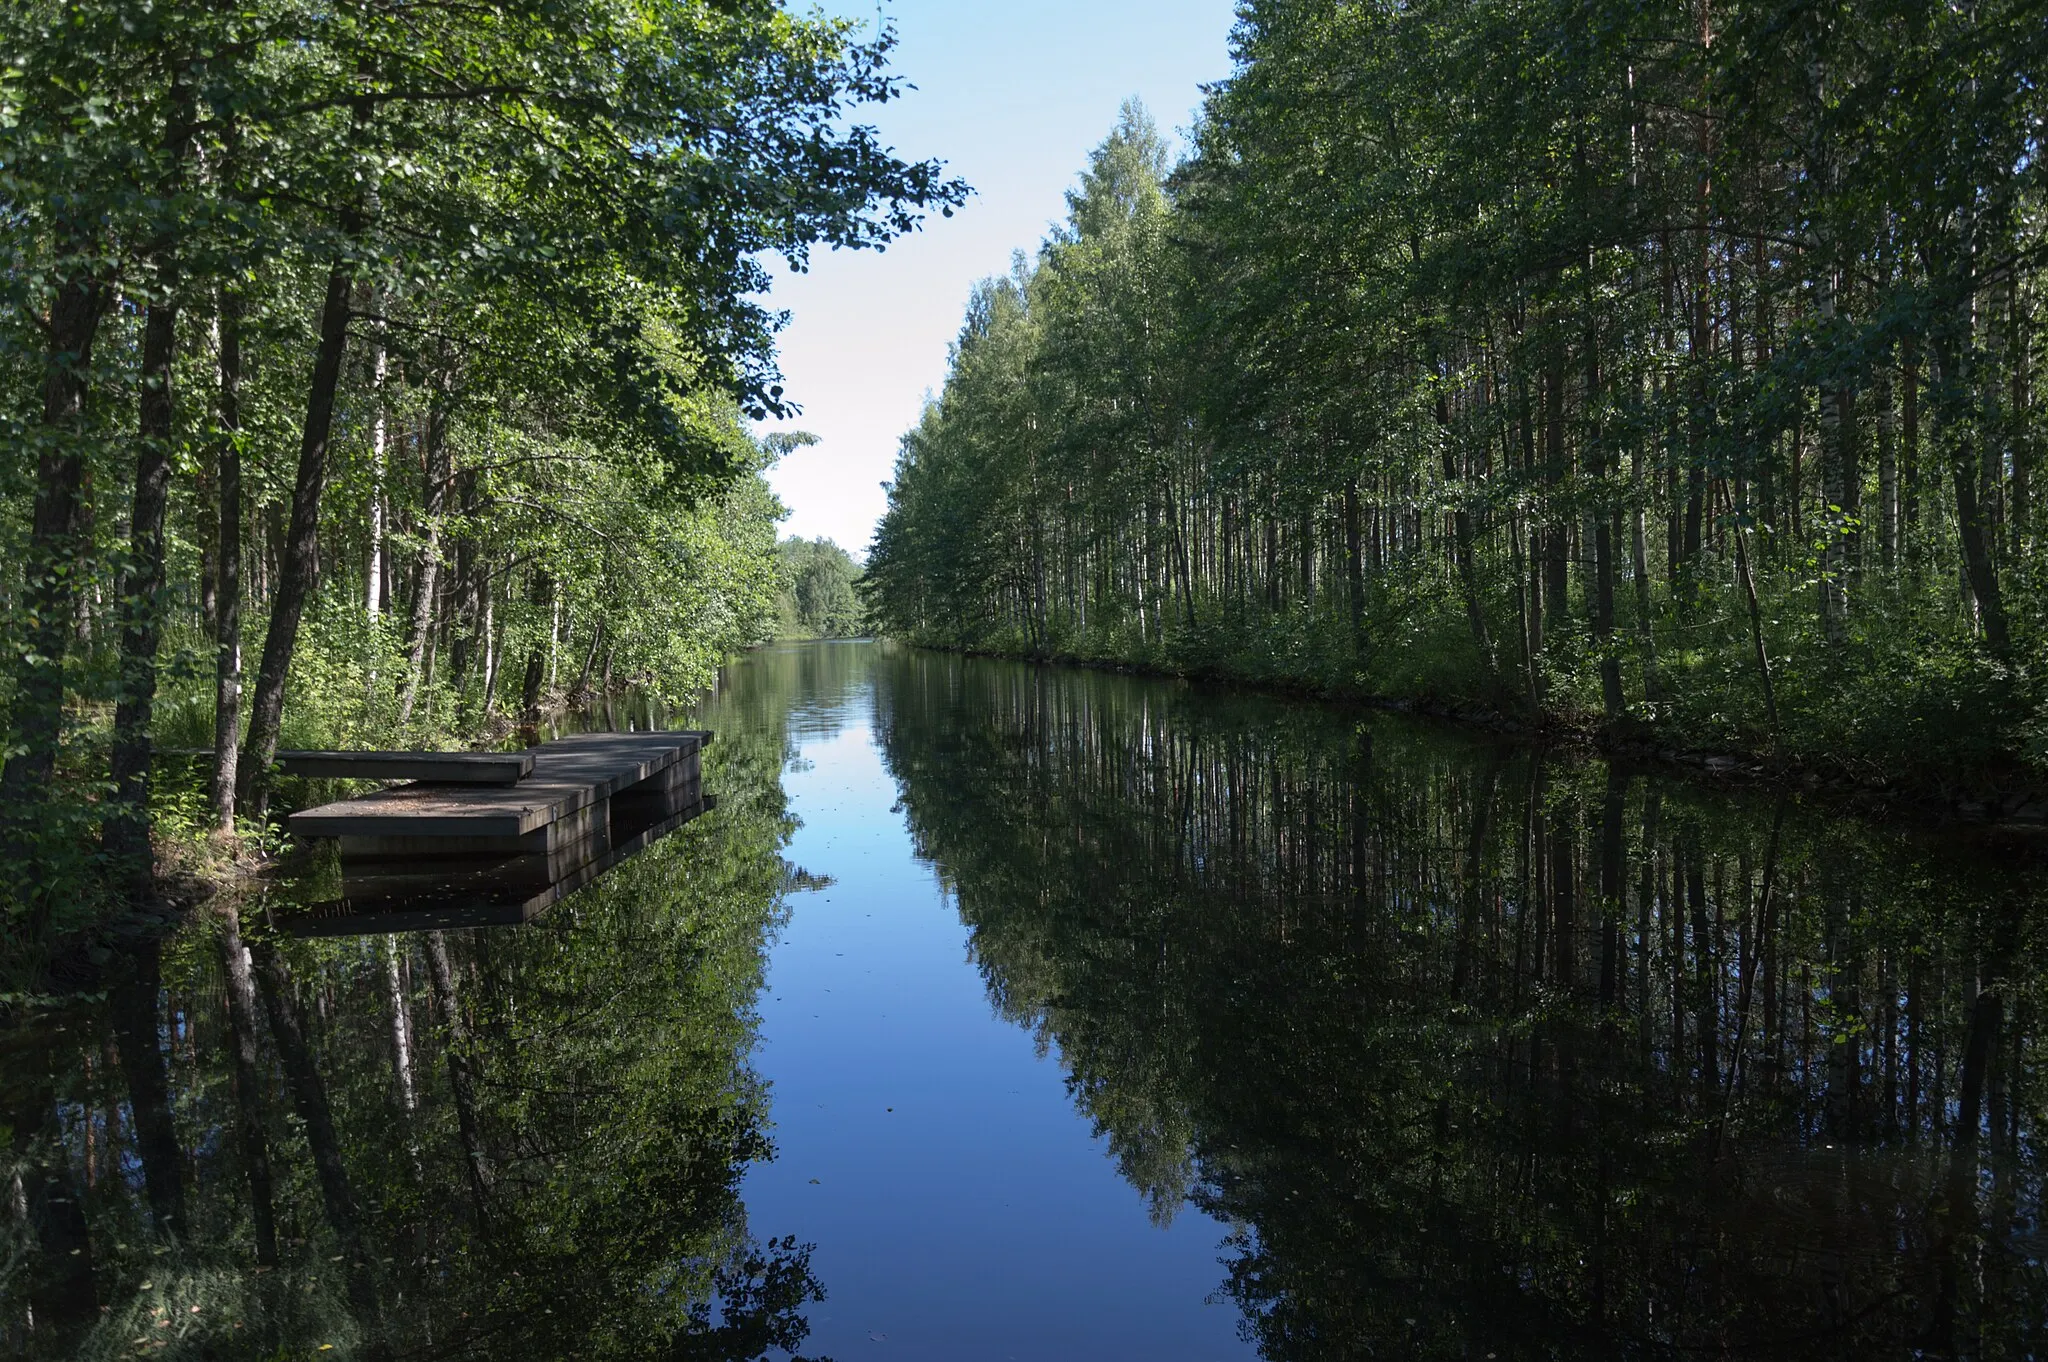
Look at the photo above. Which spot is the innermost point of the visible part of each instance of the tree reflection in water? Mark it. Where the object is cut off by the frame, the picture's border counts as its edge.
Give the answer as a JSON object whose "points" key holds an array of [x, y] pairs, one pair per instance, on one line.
{"points": [[1480, 1052], [1490, 1053], [448, 1145]]}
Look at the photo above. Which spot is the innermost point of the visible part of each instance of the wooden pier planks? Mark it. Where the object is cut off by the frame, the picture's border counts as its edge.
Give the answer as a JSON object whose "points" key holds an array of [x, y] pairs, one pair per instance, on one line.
{"points": [[568, 776], [443, 768], [438, 854]]}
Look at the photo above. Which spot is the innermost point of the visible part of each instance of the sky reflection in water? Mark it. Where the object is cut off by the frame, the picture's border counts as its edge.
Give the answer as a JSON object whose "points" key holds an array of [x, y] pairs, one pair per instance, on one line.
{"points": [[979, 1217]]}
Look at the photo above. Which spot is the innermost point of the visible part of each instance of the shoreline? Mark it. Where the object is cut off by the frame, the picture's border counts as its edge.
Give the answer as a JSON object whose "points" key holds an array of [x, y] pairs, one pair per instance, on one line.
{"points": [[191, 874], [1968, 803]]}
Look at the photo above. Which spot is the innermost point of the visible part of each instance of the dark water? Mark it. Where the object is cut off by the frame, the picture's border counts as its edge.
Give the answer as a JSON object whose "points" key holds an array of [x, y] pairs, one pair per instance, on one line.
{"points": [[1026, 1014]]}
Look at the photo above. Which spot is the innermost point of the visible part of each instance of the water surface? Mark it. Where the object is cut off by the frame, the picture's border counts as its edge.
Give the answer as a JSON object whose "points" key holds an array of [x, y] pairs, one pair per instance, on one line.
{"points": [[1011, 1012]]}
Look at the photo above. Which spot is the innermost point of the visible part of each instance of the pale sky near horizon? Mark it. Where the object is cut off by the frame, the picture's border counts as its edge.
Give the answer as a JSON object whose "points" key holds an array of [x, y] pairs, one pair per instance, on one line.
{"points": [[1012, 97]]}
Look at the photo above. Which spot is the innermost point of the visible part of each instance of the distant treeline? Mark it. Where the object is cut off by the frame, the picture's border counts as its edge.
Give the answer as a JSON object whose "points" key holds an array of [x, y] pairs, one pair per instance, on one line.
{"points": [[1668, 365], [388, 364], [818, 598]]}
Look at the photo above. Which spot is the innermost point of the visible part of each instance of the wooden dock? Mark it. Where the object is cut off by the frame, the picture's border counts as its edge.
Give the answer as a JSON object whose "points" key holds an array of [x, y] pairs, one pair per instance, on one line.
{"points": [[563, 801], [446, 768], [438, 853]]}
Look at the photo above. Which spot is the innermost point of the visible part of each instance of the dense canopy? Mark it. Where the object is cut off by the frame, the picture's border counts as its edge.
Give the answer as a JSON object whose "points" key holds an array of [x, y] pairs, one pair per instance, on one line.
{"points": [[1668, 366], [388, 363]]}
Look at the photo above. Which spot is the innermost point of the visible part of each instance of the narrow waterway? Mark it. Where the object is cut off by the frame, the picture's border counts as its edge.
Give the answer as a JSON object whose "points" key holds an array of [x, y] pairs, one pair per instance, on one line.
{"points": [[1002, 1012], [929, 1139]]}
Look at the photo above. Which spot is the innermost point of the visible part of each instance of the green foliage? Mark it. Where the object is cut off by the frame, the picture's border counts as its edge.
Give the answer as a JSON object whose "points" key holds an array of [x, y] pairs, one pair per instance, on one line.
{"points": [[818, 598], [1644, 365], [468, 299]]}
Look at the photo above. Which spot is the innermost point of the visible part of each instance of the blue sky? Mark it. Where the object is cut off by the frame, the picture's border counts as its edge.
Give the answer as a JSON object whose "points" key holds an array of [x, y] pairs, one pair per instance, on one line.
{"points": [[1012, 96]]}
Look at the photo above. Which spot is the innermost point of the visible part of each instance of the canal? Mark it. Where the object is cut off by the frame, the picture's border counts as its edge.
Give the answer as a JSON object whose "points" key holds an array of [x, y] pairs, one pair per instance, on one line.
{"points": [[1001, 1012]]}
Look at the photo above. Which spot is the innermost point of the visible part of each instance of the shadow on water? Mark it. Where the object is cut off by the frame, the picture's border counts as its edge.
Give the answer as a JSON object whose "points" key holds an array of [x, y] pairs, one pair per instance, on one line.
{"points": [[1480, 1052]]}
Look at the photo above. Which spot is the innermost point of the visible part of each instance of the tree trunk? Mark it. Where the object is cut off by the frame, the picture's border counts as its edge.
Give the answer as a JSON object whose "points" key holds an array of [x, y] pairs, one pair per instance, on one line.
{"points": [[309, 1097], [227, 693], [300, 570], [1639, 560], [589, 661], [1555, 538], [1272, 561], [470, 576], [1980, 1043], [380, 435], [1464, 559], [1835, 436], [1613, 866], [1756, 629], [1354, 570], [205, 498], [1564, 914], [532, 685], [493, 647], [1530, 608], [1706, 953], [535, 681], [1694, 544], [2025, 436], [125, 826], [55, 1282], [401, 1027], [1909, 457], [1887, 481], [427, 572], [1606, 530], [1955, 388], [1978, 564], [1040, 629], [460, 1077], [52, 577]]}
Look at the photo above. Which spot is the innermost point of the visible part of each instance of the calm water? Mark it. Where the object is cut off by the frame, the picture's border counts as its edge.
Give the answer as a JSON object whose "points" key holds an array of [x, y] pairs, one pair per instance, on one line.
{"points": [[1013, 1013]]}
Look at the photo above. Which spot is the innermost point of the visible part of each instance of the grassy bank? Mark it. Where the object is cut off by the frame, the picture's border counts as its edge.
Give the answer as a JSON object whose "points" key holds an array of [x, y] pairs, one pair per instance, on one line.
{"points": [[1947, 736]]}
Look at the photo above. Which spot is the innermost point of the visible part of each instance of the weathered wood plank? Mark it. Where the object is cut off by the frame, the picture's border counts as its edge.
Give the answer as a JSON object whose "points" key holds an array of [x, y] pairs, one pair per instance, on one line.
{"points": [[568, 774], [445, 768], [442, 768]]}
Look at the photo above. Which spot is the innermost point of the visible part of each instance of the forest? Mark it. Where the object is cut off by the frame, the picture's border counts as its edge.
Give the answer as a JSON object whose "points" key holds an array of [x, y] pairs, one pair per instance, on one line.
{"points": [[387, 374], [820, 593], [1661, 371], [375, 375]]}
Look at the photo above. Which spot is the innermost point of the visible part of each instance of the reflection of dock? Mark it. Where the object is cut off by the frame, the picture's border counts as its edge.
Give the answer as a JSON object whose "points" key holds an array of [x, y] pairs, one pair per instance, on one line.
{"points": [[437, 854]]}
